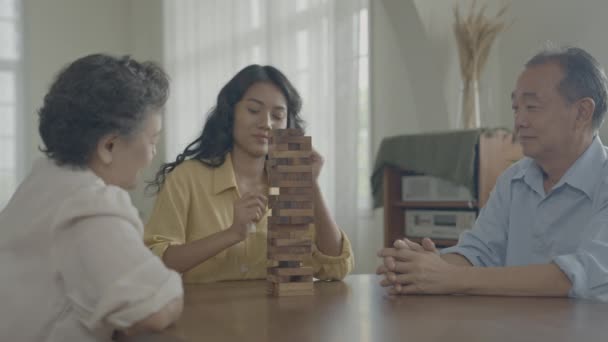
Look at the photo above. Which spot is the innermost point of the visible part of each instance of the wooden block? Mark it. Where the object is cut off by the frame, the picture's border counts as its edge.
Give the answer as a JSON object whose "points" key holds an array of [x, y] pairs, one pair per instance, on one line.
{"points": [[300, 220], [296, 250], [288, 154], [272, 201], [289, 288], [292, 212], [287, 132], [288, 227], [295, 212], [289, 253], [291, 271], [281, 147], [290, 184], [294, 286], [294, 220], [278, 177], [290, 146], [288, 234], [302, 140], [299, 204], [288, 257], [297, 147], [290, 264], [292, 168], [302, 278], [302, 241], [291, 201], [275, 278], [292, 176], [278, 220], [293, 205], [292, 161], [275, 290], [298, 191]]}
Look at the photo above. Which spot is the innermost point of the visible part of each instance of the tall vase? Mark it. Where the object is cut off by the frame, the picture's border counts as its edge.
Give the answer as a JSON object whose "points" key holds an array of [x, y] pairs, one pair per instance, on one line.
{"points": [[469, 111]]}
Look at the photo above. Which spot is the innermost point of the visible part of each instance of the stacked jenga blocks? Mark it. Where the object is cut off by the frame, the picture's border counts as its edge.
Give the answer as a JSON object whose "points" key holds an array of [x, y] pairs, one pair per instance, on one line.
{"points": [[291, 214]]}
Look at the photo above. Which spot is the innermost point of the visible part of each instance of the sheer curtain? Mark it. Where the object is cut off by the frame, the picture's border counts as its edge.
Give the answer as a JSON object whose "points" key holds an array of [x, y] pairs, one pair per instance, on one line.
{"points": [[321, 45], [11, 152]]}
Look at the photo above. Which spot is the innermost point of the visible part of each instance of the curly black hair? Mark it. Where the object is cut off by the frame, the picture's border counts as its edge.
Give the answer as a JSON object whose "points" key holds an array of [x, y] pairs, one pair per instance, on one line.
{"points": [[96, 95], [216, 139]]}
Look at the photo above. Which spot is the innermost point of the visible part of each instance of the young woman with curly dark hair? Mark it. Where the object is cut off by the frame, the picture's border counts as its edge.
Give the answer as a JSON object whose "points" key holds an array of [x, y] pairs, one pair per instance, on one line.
{"points": [[218, 186]]}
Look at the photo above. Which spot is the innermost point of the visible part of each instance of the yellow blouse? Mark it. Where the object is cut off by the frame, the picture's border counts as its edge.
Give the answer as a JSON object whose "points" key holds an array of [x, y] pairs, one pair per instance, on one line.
{"points": [[197, 201]]}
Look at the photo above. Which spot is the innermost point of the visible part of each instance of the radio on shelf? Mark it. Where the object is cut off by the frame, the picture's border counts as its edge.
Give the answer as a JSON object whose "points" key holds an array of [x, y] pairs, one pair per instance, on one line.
{"points": [[432, 189], [438, 224]]}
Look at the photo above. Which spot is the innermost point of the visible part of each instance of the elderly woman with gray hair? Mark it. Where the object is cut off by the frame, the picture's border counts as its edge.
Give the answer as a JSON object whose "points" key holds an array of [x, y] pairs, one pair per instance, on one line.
{"points": [[73, 264]]}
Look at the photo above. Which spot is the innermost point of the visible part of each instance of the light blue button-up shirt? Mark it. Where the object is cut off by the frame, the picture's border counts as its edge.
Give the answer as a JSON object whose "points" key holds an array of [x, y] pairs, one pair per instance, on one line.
{"points": [[522, 225]]}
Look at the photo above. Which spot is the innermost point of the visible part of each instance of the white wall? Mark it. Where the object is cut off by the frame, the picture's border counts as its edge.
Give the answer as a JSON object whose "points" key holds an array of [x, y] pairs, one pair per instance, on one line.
{"points": [[410, 72], [59, 31], [581, 23], [146, 43], [415, 75]]}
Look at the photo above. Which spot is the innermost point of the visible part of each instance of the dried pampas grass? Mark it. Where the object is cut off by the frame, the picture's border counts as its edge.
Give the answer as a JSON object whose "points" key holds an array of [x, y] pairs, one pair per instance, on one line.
{"points": [[475, 35]]}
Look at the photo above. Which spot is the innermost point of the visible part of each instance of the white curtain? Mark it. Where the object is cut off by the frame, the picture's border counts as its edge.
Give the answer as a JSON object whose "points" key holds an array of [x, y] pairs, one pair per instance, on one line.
{"points": [[11, 99], [321, 46]]}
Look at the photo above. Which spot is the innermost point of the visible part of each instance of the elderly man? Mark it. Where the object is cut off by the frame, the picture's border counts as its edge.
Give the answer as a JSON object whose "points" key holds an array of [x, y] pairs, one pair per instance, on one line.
{"points": [[544, 230]]}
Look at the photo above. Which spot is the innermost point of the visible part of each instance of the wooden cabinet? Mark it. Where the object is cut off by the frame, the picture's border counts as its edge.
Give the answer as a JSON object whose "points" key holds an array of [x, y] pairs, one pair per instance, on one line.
{"points": [[495, 152]]}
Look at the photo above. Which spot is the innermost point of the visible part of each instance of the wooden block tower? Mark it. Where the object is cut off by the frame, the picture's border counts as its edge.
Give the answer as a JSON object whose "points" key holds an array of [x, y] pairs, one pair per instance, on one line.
{"points": [[291, 214]]}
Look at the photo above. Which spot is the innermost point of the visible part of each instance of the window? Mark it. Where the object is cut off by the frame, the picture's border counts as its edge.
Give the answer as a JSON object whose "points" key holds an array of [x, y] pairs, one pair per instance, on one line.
{"points": [[320, 45], [363, 142], [9, 98]]}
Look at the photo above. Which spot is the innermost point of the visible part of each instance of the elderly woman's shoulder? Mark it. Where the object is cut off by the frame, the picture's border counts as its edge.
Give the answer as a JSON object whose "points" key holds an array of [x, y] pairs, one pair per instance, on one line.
{"points": [[97, 200]]}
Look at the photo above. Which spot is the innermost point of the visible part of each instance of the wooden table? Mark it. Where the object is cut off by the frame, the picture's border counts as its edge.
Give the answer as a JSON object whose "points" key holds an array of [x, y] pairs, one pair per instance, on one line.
{"points": [[358, 309]]}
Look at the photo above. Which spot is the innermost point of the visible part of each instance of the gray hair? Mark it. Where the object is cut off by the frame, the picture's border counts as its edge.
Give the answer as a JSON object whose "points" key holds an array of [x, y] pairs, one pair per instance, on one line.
{"points": [[583, 77], [96, 95]]}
